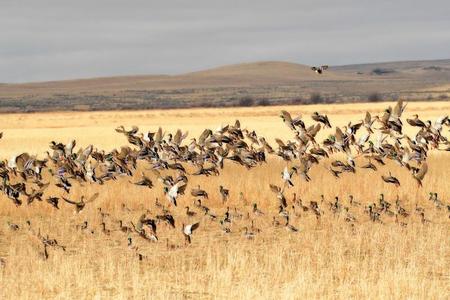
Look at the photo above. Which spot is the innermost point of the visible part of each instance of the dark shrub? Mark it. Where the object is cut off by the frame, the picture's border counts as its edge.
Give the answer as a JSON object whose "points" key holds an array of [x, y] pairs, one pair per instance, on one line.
{"points": [[263, 102], [381, 71], [316, 98], [246, 101], [375, 97], [296, 101]]}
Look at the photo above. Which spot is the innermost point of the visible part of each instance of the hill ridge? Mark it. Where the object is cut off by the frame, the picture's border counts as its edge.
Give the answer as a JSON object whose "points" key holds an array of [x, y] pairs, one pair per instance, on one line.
{"points": [[265, 82]]}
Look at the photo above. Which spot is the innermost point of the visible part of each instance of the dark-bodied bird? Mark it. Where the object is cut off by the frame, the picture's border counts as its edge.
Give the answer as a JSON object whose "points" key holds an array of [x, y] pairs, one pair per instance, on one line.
{"points": [[53, 201], [416, 121], [280, 194], [391, 179], [420, 173], [144, 181], [189, 212], [225, 193], [167, 218], [79, 206], [321, 119], [36, 194], [198, 192], [319, 70]]}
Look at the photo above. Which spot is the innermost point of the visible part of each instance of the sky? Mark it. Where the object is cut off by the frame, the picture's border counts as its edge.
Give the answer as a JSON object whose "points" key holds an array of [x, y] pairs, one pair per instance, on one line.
{"points": [[58, 39]]}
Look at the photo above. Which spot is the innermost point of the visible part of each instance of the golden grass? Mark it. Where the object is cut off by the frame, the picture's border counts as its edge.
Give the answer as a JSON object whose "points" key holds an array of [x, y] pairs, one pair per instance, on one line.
{"points": [[33, 132], [326, 259]]}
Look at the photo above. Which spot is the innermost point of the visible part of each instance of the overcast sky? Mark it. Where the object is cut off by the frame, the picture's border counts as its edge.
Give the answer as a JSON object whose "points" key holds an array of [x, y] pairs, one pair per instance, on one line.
{"points": [[51, 40]]}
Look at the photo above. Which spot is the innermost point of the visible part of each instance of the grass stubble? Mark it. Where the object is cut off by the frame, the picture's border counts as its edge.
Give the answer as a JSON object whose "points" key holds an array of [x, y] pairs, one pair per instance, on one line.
{"points": [[325, 259]]}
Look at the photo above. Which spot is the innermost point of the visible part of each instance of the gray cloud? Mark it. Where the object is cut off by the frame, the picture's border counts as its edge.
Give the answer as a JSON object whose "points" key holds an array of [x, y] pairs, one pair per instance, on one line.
{"points": [[51, 40]]}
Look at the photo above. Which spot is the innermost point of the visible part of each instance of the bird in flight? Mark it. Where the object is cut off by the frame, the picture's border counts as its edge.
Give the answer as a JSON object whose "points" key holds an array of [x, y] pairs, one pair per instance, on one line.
{"points": [[319, 70]]}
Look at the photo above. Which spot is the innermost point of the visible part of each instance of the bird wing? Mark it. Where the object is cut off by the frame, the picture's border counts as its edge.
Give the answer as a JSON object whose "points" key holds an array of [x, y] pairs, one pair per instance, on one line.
{"points": [[71, 145], [93, 197], [339, 138], [134, 129], [120, 129], [69, 201], [286, 174], [386, 116], [286, 116], [380, 139], [194, 226], [398, 109], [170, 219], [274, 188], [183, 136], [363, 139], [368, 118], [159, 135], [156, 172], [314, 129], [88, 151], [182, 187], [205, 134], [177, 137], [173, 192], [44, 187], [440, 121], [280, 142], [423, 170]]}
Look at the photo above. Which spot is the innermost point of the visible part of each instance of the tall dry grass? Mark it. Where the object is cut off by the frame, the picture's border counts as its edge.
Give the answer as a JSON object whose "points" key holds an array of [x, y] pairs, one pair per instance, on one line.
{"points": [[326, 259]]}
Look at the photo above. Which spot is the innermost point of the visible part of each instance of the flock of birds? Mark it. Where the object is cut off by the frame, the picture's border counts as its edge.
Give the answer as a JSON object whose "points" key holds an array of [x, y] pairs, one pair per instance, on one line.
{"points": [[374, 139]]}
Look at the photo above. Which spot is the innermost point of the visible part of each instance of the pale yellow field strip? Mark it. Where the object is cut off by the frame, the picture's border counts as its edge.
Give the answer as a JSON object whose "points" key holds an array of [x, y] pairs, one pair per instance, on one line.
{"points": [[33, 132]]}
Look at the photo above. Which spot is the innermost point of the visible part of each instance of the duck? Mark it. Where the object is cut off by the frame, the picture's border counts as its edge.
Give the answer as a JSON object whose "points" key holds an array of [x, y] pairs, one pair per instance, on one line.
{"points": [[320, 69], [321, 119], [225, 193], [391, 179], [188, 230], [190, 213], [256, 210], [144, 181], [248, 234], [289, 227], [198, 192], [80, 205]]}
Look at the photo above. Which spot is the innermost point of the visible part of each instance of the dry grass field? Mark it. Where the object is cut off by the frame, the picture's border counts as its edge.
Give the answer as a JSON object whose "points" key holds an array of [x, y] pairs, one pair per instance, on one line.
{"points": [[329, 258], [33, 132]]}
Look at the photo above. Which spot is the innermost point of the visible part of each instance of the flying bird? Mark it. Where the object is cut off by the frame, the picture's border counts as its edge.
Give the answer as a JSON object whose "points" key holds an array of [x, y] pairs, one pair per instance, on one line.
{"points": [[319, 70], [188, 230]]}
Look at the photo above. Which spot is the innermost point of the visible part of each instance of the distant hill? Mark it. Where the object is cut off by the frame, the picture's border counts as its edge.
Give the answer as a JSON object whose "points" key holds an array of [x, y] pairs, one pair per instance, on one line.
{"points": [[261, 72], [411, 67], [259, 83]]}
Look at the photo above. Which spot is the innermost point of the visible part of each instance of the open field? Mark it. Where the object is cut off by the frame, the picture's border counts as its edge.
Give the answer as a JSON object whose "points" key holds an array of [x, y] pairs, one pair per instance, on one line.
{"points": [[328, 258], [35, 131]]}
